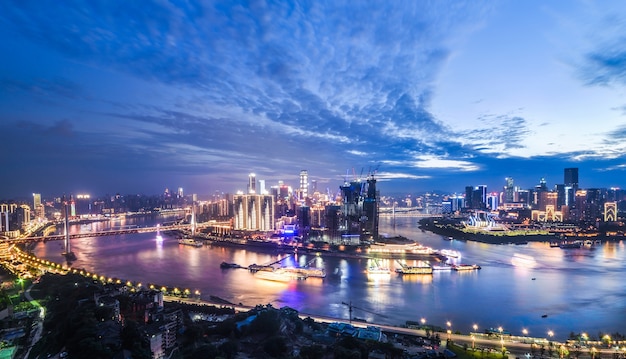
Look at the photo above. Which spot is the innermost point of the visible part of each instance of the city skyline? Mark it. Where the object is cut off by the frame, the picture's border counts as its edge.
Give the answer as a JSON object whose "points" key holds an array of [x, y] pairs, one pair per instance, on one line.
{"points": [[431, 96]]}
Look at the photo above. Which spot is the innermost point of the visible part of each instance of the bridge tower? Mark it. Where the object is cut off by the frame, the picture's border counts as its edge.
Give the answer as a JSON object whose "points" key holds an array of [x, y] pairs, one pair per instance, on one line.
{"points": [[68, 254]]}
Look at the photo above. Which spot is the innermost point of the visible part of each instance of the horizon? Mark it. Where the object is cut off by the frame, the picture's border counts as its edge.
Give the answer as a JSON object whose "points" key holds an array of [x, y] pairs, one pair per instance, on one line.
{"points": [[429, 96]]}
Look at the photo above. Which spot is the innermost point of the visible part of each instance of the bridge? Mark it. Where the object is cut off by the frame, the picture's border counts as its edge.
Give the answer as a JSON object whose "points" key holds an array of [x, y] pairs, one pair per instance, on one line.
{"points": [[113, 232]]}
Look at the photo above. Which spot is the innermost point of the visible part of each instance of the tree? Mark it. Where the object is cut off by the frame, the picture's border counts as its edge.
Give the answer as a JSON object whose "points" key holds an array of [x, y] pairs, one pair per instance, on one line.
{"points": [[314, 351], [229, 348], [275, 346]]}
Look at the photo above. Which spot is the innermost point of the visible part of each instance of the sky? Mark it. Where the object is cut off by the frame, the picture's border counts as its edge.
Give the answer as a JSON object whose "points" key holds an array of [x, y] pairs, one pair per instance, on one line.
{"points": [[135, 97]]}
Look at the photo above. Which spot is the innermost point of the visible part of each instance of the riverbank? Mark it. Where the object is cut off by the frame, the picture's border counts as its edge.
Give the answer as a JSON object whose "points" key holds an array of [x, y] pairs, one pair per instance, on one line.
{"points": [[449, 230]]}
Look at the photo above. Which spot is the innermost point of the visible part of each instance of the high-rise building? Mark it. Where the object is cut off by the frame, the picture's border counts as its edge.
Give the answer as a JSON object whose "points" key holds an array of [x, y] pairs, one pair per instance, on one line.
{"points": [[38, 207], [304, 184], [251, 183], [359, 210], [509, 190], [610, 211], [180, 192], [493, 201], [570, 180], [570, 177], [36, 200], [253, 212]]}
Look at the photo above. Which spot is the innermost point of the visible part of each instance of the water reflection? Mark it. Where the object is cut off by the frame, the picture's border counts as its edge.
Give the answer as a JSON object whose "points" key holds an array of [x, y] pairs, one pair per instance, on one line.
{"points": [[578, 289]]}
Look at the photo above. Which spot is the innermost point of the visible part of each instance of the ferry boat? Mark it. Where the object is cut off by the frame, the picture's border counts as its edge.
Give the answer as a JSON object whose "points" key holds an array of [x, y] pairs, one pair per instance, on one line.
{"points": [[306, 272], [450, 253], [571, 245], [442, 267], [190, 242], [466, 267], [278, 275], [378, 270], [420, 268]]}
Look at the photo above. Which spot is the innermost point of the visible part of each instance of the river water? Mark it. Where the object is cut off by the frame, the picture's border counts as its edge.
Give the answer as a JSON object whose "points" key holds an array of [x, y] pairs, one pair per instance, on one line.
{"points": [[579, 290]]}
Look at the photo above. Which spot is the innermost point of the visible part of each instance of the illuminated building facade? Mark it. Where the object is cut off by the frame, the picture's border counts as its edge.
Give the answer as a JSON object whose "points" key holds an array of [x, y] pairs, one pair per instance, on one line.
{"points": [[610, 211], [359, 210], [253, 212], [304, 185], [570, 180], [251, 183], [549, 215], [38, 207], [509, 190]]}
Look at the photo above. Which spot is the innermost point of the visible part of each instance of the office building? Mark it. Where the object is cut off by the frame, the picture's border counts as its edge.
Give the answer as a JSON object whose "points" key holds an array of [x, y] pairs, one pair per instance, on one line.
{"points": [[509, 190], [304, 185], [251, 183], [570, 180]]}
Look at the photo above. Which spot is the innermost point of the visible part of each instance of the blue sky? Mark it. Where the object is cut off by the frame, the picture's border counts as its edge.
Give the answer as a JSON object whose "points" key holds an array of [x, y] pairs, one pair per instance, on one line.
{"points": [[134, 97]]}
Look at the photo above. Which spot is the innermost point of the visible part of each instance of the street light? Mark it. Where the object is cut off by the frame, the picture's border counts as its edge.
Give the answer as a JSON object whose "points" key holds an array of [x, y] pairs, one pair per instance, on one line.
{"points": [[475, 326], [449, 325]]}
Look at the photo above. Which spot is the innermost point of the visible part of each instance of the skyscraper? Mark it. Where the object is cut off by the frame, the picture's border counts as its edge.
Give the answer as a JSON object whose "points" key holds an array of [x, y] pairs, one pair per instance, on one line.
{"points": [[509, 190], [570, 179], [251, 183], [304, 184]]}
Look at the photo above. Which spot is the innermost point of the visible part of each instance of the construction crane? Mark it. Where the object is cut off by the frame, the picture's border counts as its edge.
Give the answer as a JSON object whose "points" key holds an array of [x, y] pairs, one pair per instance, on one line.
{"points": [[351, 307]]}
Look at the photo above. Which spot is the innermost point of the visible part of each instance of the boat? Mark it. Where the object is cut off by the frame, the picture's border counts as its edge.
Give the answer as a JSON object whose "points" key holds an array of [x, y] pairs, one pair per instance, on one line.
{"points": [[225, 265], [571, 245], [190, 242], [466, 267], [421, 268], [450, 253], [378, 270], [278, 275], [442, 267], [554, 244], [544, 316], [307, 272]]}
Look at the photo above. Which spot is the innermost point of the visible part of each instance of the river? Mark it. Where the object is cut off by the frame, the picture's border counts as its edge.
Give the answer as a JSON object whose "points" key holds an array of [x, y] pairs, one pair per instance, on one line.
{"points": [[577, 290]]}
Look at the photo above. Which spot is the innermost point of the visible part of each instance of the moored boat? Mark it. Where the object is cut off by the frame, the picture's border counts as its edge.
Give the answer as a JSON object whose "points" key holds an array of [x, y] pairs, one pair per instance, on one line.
{"points": [[466, 267], [278, 275], [307, 272], [571, 245], [442, 267], [421, 268], [378, 270], [190, 242]]}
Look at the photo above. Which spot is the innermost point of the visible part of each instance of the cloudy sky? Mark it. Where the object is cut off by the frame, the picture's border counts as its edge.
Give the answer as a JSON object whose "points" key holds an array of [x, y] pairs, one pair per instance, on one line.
{"points": [[134, 97]]}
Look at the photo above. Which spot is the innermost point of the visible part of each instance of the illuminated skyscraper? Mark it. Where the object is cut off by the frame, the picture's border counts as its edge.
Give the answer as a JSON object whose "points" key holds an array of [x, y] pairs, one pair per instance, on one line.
{"points": [[251, 183], [304, 184], [509, 190], [570, 179], [180, 192], [254, 212], [36, 200], [38, 207]]}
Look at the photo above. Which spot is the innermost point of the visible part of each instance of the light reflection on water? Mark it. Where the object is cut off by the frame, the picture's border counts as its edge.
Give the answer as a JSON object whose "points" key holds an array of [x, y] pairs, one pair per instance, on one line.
{"points": [[579, 290]]}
